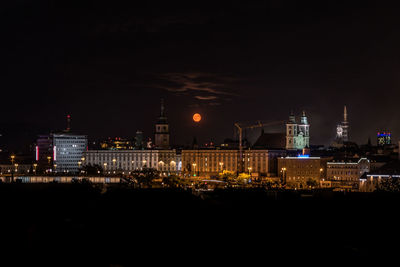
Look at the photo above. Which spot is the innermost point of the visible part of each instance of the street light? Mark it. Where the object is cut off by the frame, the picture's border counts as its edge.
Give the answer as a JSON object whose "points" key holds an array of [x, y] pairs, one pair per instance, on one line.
{"points": [[194, 168], [16, 167], [105, 166], [320, 173], [249, 168], [34, 167]]}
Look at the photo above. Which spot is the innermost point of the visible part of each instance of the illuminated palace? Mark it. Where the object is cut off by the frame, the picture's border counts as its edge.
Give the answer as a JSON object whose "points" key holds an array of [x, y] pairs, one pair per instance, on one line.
{"points": [[162, 158], [125, 161]]}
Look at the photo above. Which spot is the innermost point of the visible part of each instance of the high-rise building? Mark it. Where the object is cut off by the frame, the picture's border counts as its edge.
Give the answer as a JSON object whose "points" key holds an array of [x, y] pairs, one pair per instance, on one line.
{"points": [[342, 130], [68, 152], [384, 138], [61, 152], [297, 134], [162, 130]]}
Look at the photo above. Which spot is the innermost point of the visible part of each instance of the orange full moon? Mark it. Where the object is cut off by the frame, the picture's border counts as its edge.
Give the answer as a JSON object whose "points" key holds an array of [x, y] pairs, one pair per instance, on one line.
{"points": [[197, 117]]}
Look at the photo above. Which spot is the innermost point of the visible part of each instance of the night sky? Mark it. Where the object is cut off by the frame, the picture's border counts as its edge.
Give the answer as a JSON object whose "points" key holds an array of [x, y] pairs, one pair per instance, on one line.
{"points": [[108, 64]]}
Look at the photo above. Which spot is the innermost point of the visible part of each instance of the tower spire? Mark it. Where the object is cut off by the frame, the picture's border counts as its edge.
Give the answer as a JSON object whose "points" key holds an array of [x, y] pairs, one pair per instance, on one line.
{"points": [[345, 113], [162, 108], [68, 123]]}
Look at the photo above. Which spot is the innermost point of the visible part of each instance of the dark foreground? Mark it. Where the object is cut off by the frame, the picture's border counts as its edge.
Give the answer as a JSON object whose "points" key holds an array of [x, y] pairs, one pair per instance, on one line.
{"points": [[80, 225]]}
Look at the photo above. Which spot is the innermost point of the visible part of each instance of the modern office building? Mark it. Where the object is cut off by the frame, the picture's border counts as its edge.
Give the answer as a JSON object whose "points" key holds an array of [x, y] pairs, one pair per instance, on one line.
{"points": [[297, 171], [297, 134], [126, 161], [68, 151]]}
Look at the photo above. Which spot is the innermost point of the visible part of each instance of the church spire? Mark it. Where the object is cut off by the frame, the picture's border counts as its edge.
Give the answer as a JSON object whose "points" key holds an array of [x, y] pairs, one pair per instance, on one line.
{"points": [[162, 108]]}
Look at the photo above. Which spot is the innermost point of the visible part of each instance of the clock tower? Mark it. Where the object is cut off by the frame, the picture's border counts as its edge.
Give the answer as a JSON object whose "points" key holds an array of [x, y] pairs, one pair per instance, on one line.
{"points": [[162, 130]]}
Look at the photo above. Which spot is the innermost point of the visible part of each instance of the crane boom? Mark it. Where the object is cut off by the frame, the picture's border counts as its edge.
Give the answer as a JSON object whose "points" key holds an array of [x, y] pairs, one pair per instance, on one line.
{"points": [[240, 129]]}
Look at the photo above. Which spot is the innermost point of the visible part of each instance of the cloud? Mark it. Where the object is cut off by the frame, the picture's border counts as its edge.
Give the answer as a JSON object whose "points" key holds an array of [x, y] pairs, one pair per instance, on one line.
{"points": [[198, 82], [211, 97]]}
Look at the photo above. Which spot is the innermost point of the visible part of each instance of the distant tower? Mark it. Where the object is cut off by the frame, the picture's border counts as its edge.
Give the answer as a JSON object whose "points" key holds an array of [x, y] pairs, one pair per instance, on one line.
{"points": [[162, 130], [68, 123], [304, 131], [345, 126], [342, 129], [291, 132]]}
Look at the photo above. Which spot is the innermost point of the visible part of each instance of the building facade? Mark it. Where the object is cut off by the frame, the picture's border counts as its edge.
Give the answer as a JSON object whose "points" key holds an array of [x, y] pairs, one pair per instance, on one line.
{"points": [[126, 161], [60, 152], [347, 173], [211, 162], [297, 134], [383, 138], [296, 172], [68, 151]]}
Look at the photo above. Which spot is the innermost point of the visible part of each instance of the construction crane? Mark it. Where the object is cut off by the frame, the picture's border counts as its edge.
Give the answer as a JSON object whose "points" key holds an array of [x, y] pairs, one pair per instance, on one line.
{"points": [[240, 129]]}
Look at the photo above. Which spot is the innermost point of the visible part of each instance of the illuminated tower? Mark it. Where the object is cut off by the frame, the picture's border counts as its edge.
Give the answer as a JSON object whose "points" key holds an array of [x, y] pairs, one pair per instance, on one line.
{"points": [[297, 134], [345, 126], [162, 130], [68, 123], [304, 132], [291, 132], [342, 130]]}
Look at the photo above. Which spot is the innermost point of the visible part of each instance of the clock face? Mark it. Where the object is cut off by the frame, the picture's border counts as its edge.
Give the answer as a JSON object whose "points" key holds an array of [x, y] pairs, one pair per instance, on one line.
{"points": [[339, 130]]}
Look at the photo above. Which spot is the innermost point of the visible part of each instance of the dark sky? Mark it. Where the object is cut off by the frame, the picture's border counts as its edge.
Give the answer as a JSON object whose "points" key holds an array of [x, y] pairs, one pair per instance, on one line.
{"points": [[108, 64]]}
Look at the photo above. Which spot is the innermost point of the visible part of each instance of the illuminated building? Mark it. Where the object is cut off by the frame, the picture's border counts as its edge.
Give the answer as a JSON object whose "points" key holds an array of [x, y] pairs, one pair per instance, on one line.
{"points": [[386, 177], [347, 173], [211, 162], [162, 130], [297, 134], [66, 179], [15, 168], [342, 130], [384, 138], [296, 172], [125, 161], [44, 149], [117, 143], [68, 152]]}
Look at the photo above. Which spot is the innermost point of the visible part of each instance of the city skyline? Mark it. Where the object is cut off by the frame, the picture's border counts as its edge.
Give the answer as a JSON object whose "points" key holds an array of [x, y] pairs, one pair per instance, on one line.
{"points": [[231, 62], [198, 131]]}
